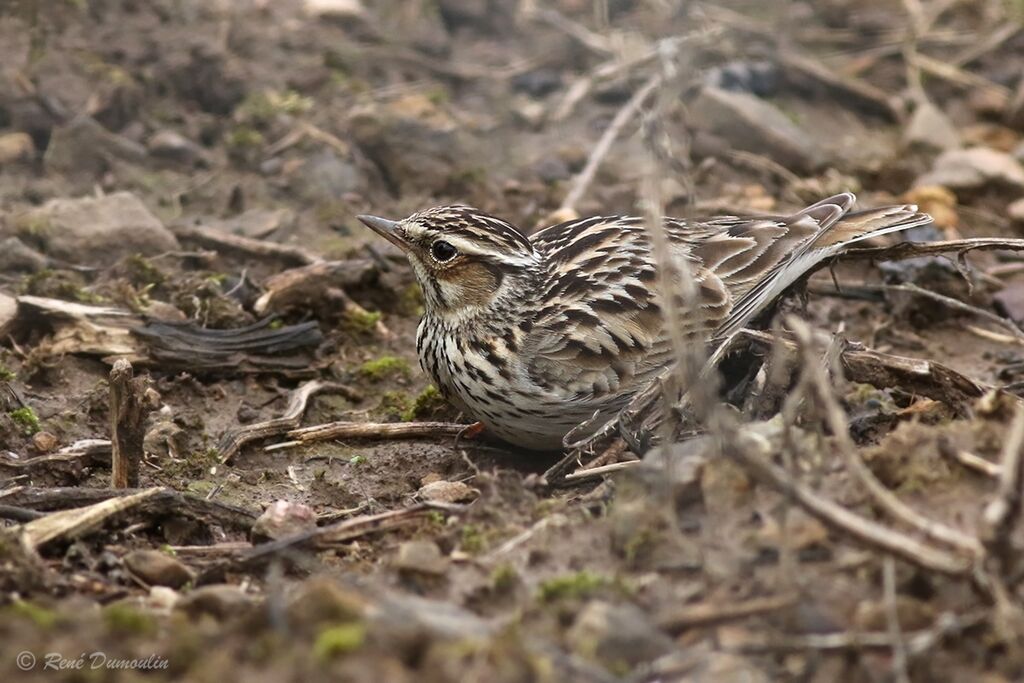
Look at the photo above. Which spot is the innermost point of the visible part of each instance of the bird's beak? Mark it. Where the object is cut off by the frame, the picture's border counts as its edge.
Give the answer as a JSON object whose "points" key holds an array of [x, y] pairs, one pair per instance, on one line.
{"points": [[384, 228]]}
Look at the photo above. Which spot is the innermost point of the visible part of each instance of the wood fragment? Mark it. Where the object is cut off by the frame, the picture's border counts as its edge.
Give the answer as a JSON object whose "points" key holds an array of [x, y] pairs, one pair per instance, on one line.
{"points": [[369, 430], [706, 614], [232, 442], [73, 523], [1002, 515], [218, 239], [131, 400]]}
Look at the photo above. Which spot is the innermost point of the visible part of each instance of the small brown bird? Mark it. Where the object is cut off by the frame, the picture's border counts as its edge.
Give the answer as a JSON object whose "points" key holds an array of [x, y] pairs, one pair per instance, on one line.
{"points": [[532, 336]]}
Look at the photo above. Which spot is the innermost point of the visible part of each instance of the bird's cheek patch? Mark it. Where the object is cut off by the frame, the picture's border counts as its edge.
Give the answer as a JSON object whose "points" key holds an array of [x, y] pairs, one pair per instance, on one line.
{"points": [[476, 282]]}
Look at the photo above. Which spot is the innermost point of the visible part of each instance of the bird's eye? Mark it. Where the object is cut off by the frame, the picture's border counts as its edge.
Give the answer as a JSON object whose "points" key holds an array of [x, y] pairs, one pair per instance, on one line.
{"points": [[442, 251]]}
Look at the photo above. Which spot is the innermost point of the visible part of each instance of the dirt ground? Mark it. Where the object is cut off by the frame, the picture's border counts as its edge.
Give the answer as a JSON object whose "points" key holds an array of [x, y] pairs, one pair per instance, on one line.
{"points": [[201, 164]]}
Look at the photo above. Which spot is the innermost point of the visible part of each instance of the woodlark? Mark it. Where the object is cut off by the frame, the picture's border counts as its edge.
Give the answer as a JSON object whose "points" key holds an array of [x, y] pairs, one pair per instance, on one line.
{"points": [[534, 335]]}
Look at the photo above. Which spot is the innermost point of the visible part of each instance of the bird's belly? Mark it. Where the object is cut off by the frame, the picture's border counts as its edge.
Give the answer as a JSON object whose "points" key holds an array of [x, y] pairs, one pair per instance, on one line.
{"points": [[511, 407]]}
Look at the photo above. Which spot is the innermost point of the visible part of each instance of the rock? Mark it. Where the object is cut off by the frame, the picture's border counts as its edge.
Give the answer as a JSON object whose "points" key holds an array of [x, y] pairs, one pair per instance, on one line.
{"points": [[165, 439], [157, 569], [759, 78], [1009, 301], [283, 518], [221, 601], [976, 168], [97, 231], [448, 492], [326, 177], [44, 442], [751, 124], [930, 129], [8, 314], [551, 169], [209, 79], [18, 257], [1015, 211], [617, 635], [84, 146], [539, 82], [418, 146], [936, 201], [15, 147], [420, 557], [172, 146], [335, 9]]}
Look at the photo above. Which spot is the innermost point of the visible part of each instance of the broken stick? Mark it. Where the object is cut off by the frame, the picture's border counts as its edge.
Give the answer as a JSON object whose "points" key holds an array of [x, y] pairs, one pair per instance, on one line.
{"points": [[131, 399]]}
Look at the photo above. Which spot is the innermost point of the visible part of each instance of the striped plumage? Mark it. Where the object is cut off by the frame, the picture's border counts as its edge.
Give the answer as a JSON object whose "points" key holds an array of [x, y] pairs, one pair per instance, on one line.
{"points": [[532, 336]]}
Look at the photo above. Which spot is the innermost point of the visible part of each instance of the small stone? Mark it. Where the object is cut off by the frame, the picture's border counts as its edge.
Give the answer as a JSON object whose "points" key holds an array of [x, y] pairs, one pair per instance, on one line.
{"points": [[538, 82], [1015, 211], [44, 442], [759, 78], [335, 9], [448, 492], [173, 146], [416, 143], [420, 557], [165, 439], [18, 257], [976, 168], [283, 518], [617, 635], [16, 147], [96, 230], [162, 598], [157, 569], [325, 177], [938, 202], [1009, 301], [531, 112], [8, 314], [551, 169], [84, 146], [752, 124], [929, 128], [221, 601]]}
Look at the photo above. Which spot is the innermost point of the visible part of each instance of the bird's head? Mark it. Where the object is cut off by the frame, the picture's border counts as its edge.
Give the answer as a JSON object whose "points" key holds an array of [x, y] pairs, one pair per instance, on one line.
{"points": [[464, 259]]}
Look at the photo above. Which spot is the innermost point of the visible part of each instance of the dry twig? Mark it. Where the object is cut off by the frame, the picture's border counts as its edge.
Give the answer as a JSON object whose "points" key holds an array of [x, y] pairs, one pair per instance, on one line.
{"points": [[232, 442], [369, 430]]}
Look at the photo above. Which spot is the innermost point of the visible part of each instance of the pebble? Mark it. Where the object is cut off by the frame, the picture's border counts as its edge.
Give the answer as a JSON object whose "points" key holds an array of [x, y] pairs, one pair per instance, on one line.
{"points": [[157, 569], [448, 492], [221, 601], [283, 518], [15, 147], [975, 168], [96, 230], [420, 557], [751, 124]]}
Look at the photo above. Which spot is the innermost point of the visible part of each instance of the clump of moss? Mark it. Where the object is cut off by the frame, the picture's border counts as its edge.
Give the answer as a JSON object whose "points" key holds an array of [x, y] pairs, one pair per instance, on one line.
{"points": [[6, 374], [385, 367], [361, 320], [263, 107], [395, 404], [472, 539], [244, 143], [125, 619], [339, 640], [27, 419], [141, 272], [427, 403], [504, 578], [572, 586], [59, 284]]}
